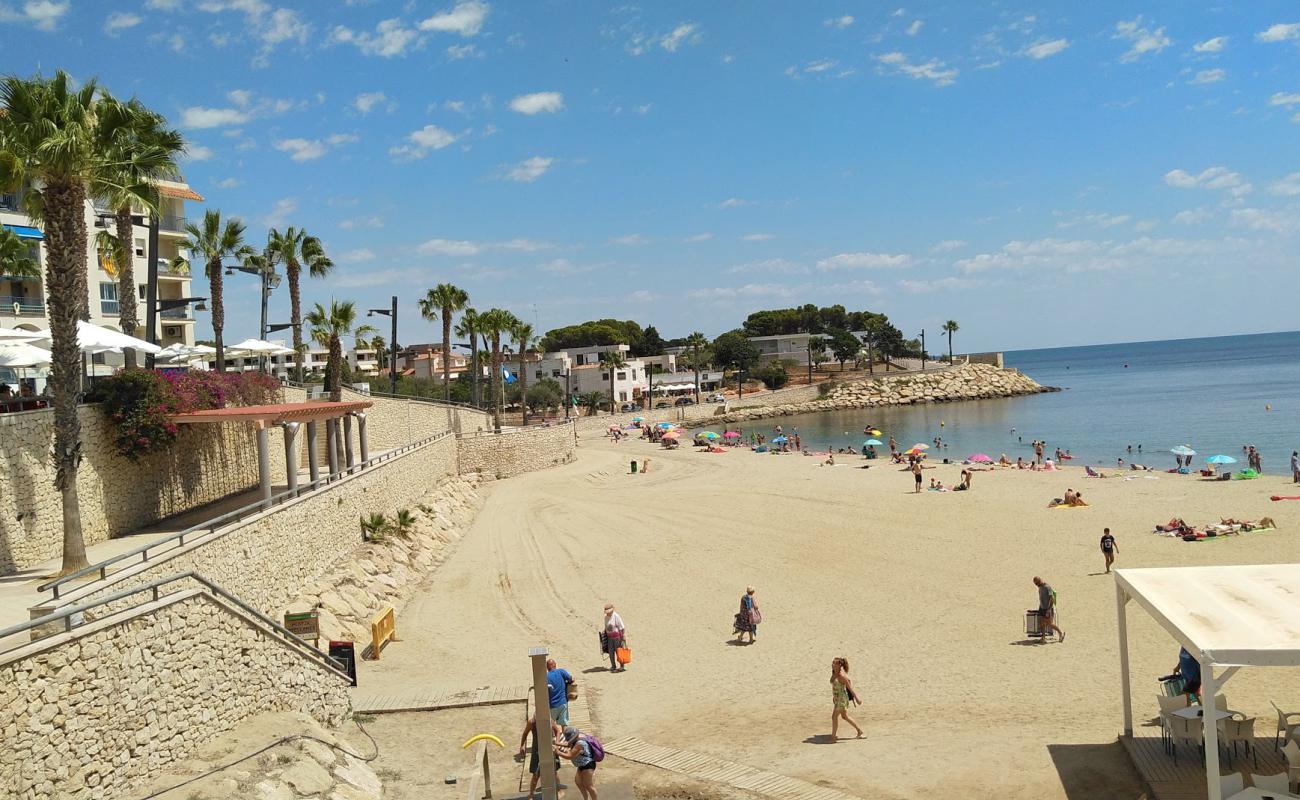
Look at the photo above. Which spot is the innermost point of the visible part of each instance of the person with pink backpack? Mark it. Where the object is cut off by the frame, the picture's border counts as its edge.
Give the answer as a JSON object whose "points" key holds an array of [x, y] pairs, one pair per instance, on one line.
{"points": [[585, 751]]}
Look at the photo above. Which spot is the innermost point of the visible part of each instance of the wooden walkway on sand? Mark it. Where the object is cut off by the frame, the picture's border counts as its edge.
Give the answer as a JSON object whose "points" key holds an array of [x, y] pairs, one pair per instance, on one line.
{"points": [[1185, 780], [390, 701], [708, 768]]}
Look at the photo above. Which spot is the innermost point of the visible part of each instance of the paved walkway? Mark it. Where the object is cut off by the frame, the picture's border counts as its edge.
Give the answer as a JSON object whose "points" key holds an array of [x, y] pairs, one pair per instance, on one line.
{"points": [[387, 701]]}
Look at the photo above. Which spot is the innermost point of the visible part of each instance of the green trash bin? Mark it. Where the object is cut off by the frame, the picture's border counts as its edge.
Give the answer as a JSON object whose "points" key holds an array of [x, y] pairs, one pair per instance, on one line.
{"points": [[634, 466]]}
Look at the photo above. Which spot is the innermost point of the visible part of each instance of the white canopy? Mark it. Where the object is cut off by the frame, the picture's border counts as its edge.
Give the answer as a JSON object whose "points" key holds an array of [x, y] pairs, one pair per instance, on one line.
{"points": [[97, 339], [259, 347], [1227, 617], [8, 335], [181, 352], [20, 355]]}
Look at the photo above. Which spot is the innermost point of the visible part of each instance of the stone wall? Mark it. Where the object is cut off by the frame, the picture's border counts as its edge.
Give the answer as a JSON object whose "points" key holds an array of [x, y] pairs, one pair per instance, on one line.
{"points": [[512, 452], [87, 714], [392, 421], [268, 559], [697, 415], [207, 463]]}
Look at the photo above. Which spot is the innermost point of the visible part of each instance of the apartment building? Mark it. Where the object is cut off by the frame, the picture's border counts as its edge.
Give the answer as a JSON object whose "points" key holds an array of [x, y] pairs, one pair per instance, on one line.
{"points": [[791, 347], [23, 299]]}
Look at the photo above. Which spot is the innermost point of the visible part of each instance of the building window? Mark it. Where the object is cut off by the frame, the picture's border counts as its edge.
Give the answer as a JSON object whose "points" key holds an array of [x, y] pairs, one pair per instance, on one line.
{"points": [[622, 376], [144, 291], [139, 247], [108, 299], [604, 376], [622, 396]]}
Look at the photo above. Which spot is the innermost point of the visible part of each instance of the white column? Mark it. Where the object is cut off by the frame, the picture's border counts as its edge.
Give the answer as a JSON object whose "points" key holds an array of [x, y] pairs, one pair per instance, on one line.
{"points": [[542, 724], [361, 437], [263, 465], [1209, 688], [331, 452], [291, 455], [312, 456], [347, 441], [1121, 604]]}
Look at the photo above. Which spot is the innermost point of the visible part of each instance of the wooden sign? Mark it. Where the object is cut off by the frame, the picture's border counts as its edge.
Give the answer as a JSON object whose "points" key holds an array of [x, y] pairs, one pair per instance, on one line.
{"points": [[304, 625]]}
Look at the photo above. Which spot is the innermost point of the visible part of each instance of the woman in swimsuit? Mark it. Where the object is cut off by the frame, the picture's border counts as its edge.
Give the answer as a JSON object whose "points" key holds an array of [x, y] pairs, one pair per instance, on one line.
{"points": [[842, 694]]}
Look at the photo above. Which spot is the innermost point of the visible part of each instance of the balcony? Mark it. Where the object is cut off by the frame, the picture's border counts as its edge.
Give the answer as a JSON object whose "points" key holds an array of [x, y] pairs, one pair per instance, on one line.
{"points": [[166, 270], [9, 202], [27, 306], [171, 224], [176, 313]]}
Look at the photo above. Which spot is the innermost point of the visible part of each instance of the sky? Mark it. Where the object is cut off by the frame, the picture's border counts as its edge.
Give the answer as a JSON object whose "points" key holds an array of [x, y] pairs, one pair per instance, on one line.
{"points": [[1043, 174]]}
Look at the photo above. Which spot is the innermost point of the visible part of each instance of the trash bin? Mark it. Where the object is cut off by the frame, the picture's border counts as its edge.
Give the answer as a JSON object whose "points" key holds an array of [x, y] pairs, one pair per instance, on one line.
{"points": [[346, 654], [634, 466], [1034, 624]]}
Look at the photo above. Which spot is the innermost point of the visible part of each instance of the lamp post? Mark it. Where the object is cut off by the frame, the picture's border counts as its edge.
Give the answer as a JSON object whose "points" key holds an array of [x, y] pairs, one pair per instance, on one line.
{"points": [[392, 342], [923, 349], [270, 280], [568, 394], [277, 326]]}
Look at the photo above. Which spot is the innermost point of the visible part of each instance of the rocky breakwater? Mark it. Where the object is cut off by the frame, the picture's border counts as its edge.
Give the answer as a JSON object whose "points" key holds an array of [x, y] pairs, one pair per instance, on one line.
{"points": [[969, 382], [387, 570]]}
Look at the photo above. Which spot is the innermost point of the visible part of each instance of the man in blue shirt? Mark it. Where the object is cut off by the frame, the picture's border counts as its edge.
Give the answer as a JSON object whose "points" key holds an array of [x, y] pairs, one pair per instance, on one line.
{"points": [[1190, 670], [557, 686]]}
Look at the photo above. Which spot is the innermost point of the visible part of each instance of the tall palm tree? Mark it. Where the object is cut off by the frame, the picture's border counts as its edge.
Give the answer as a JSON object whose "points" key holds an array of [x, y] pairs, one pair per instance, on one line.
{"points": [[950, 327], [444, 299], [496, 322], [16, 256], [524, 340], [213, 243], [381, 355], [696, 342], [612, 360], [142, 152], [468, 326], [297, 249], [328, 329]]}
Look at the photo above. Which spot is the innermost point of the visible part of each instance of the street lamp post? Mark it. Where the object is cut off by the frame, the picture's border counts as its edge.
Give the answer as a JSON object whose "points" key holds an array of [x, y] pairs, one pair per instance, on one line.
{"points": [[568, 394], [270, 280], [392, 343], [923, 349], [151, 290]]}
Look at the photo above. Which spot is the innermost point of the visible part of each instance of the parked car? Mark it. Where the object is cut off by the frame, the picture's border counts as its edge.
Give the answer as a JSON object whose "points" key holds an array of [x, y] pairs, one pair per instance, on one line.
{"points": [[717, 397], [684, 401], [662, 404], [630, 407]]}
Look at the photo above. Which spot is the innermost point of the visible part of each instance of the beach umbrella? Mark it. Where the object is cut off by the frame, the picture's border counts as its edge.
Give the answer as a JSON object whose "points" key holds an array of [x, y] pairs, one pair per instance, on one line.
{"points": [[21, 355], [979, 458], [872, 443], [1220, 460], [671, 435], [1183, 450], [637, 419], [920, 446], [710, 435], [731, 435], [914, 452], [14, 336], [780, 440], [665, 426], [97, 339]]}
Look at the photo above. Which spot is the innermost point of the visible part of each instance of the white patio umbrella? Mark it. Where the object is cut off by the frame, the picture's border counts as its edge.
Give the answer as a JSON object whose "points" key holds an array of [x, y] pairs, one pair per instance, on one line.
{"points": [[259, 347], [13, 335], [21, 355], [97, 339]]}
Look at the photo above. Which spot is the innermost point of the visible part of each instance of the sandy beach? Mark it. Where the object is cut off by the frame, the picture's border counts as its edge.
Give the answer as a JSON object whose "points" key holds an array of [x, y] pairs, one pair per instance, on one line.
{"points": [[924, 594]]}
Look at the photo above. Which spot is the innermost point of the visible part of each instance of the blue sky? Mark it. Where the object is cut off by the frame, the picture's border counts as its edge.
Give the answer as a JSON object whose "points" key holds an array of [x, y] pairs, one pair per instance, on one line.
{"points": [[1044, 174]]}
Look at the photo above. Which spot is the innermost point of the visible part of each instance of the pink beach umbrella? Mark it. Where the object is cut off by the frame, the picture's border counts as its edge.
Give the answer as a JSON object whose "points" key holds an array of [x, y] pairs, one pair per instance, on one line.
{"points": [[979, 458], [731, 435]]}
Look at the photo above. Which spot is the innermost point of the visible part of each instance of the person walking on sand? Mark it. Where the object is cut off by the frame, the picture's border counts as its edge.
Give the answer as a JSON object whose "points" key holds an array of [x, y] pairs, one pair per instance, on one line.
{"points": [[841, 695], [1047, 607], [1108, 548], [558, 682], [534, 761], [616, 637], [571, 744], [1295, 466], [748, 617], [893, 446], [916, 474]]}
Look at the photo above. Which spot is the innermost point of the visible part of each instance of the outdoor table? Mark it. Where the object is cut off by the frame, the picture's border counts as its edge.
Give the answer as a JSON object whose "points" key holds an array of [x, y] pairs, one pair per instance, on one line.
{"points": [[1193, 712], [1252, 793]]}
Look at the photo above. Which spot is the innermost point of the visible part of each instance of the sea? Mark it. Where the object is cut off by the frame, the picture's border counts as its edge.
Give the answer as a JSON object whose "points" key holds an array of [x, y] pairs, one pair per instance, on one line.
{"points": [[1134, 401]]}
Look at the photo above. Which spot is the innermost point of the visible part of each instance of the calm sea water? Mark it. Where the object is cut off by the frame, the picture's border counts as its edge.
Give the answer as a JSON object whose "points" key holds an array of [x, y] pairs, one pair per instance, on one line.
{"points": [[1215, 394]]}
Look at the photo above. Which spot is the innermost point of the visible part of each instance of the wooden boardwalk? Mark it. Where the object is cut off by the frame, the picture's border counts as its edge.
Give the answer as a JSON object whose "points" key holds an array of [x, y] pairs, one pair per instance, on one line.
{"points": [[1185, 780], [708, 768], [388, 702]]}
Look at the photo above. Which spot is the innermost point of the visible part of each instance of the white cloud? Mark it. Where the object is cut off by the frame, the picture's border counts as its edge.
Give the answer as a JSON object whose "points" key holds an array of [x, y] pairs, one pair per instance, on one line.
{"points": [[629, 240], [1287, 99], [271, 26], [302, 149], [1041, 50], [362, 222], [355, 256], [947, 245], [529, 170], [391, 38], [280, 213], [456, 52], [756, 237], [735, 202], [240, 97], [1192, 216], [162, 5], [839, 22], [562, 266], [420, 142], [228, 183], [119, 21], [1280, 32], [819, 66], [199, 117], [685, 33], [937, 285], [1098, 220], [778, 266], [699, 237], [176, 42], [465, 19], [1075, 255], [197, 152], [915, 27], [538, 103], [1284, 221], [339, 139], [1141, 39], [1214, 45], [865, 261], [368, 101], [933, 70], [747, 290], [1290, 185], [41, 14], [1210, 178], [450, 247], [644, 108], [1208, 76]]}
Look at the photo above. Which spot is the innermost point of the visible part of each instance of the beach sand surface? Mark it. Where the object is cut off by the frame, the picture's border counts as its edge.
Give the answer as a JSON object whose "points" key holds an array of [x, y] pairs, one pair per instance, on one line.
{"points": [[924, 594]]}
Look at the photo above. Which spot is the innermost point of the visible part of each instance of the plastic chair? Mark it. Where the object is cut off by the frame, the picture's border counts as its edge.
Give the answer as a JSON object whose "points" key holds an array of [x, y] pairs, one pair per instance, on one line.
{"points": [[1186, 730], [1168, 705], [1231, 783], [1238, 731], [1221, 702], [1292, 753], [1271, 783], [1286, 728]]}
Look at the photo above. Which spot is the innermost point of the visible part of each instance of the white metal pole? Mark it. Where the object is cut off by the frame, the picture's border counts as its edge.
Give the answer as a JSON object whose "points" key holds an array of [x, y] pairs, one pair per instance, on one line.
{"points": [[542, 724], [1121, 604], [1209, 688]]}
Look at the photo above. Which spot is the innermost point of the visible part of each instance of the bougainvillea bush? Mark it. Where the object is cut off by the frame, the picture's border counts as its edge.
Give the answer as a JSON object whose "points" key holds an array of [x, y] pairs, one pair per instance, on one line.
{"points": [[141, 402]]}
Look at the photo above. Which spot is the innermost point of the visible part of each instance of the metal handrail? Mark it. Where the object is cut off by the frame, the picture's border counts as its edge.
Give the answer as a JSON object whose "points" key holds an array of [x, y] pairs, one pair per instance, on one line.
{"points": [[555, 423], [415, 399], [68, 613], [211, 525]]}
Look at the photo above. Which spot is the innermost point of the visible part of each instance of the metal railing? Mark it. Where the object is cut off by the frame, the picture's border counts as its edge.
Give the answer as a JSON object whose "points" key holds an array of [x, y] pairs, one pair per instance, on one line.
{"points": [[26, 305], [175, 313], [70, 618], [177, 540], [167, 222]]}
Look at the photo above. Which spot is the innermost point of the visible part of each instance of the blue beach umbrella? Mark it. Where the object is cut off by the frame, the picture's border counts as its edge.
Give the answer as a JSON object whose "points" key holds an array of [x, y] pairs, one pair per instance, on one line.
{"points": [[1220, 460], [780, 440], [1183, 450], [872, 443]]}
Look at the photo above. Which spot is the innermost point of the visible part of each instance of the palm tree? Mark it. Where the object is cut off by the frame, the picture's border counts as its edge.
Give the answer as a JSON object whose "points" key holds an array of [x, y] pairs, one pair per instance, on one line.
{"points": [[403, 521], [16, 256], [296, 249], [696, 342], [444, 299], [328, 328], [592, 401], [612, 360], [950, 327], [816, 347], [496, 322], [524, 340], [381, 356], [55, 138], [468, 326], [142, 151], [213, 243], [375, 526]]}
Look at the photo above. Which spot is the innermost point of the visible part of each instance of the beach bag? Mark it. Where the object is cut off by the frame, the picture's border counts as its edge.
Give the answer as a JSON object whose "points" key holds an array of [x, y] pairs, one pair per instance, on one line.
{"points": [[755, 616], [571, 690], [624, 655], [597, 749]]}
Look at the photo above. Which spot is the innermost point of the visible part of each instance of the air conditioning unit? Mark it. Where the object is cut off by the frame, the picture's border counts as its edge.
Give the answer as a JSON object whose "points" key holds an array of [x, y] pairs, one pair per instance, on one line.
{"points": [[172, 330]]}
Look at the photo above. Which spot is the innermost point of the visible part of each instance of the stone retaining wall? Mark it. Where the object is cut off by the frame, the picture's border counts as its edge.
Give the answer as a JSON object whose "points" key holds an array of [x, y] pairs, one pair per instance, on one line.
{"points": [[392, 422], [513, 452], [86, 714], [269, 558], [118, 496]]}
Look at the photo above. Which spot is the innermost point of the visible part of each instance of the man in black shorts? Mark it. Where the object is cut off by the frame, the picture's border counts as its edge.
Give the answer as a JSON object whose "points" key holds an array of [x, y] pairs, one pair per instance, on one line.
{"points": [[916, 472], [534, 764], [1108, 548]]}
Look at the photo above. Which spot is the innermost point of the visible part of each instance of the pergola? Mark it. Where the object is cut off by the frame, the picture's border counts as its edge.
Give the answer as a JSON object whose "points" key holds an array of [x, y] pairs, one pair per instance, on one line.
{"points": [[1227, 617], [291, 416]]}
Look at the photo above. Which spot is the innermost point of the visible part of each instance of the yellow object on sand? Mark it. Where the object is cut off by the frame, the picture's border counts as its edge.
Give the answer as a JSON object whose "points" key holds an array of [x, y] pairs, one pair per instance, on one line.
{"points": [[487, 736]]}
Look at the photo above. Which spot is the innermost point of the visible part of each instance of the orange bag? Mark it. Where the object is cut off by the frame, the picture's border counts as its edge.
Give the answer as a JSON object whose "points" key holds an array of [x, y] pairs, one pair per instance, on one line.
{"points": [[624, 655]]}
